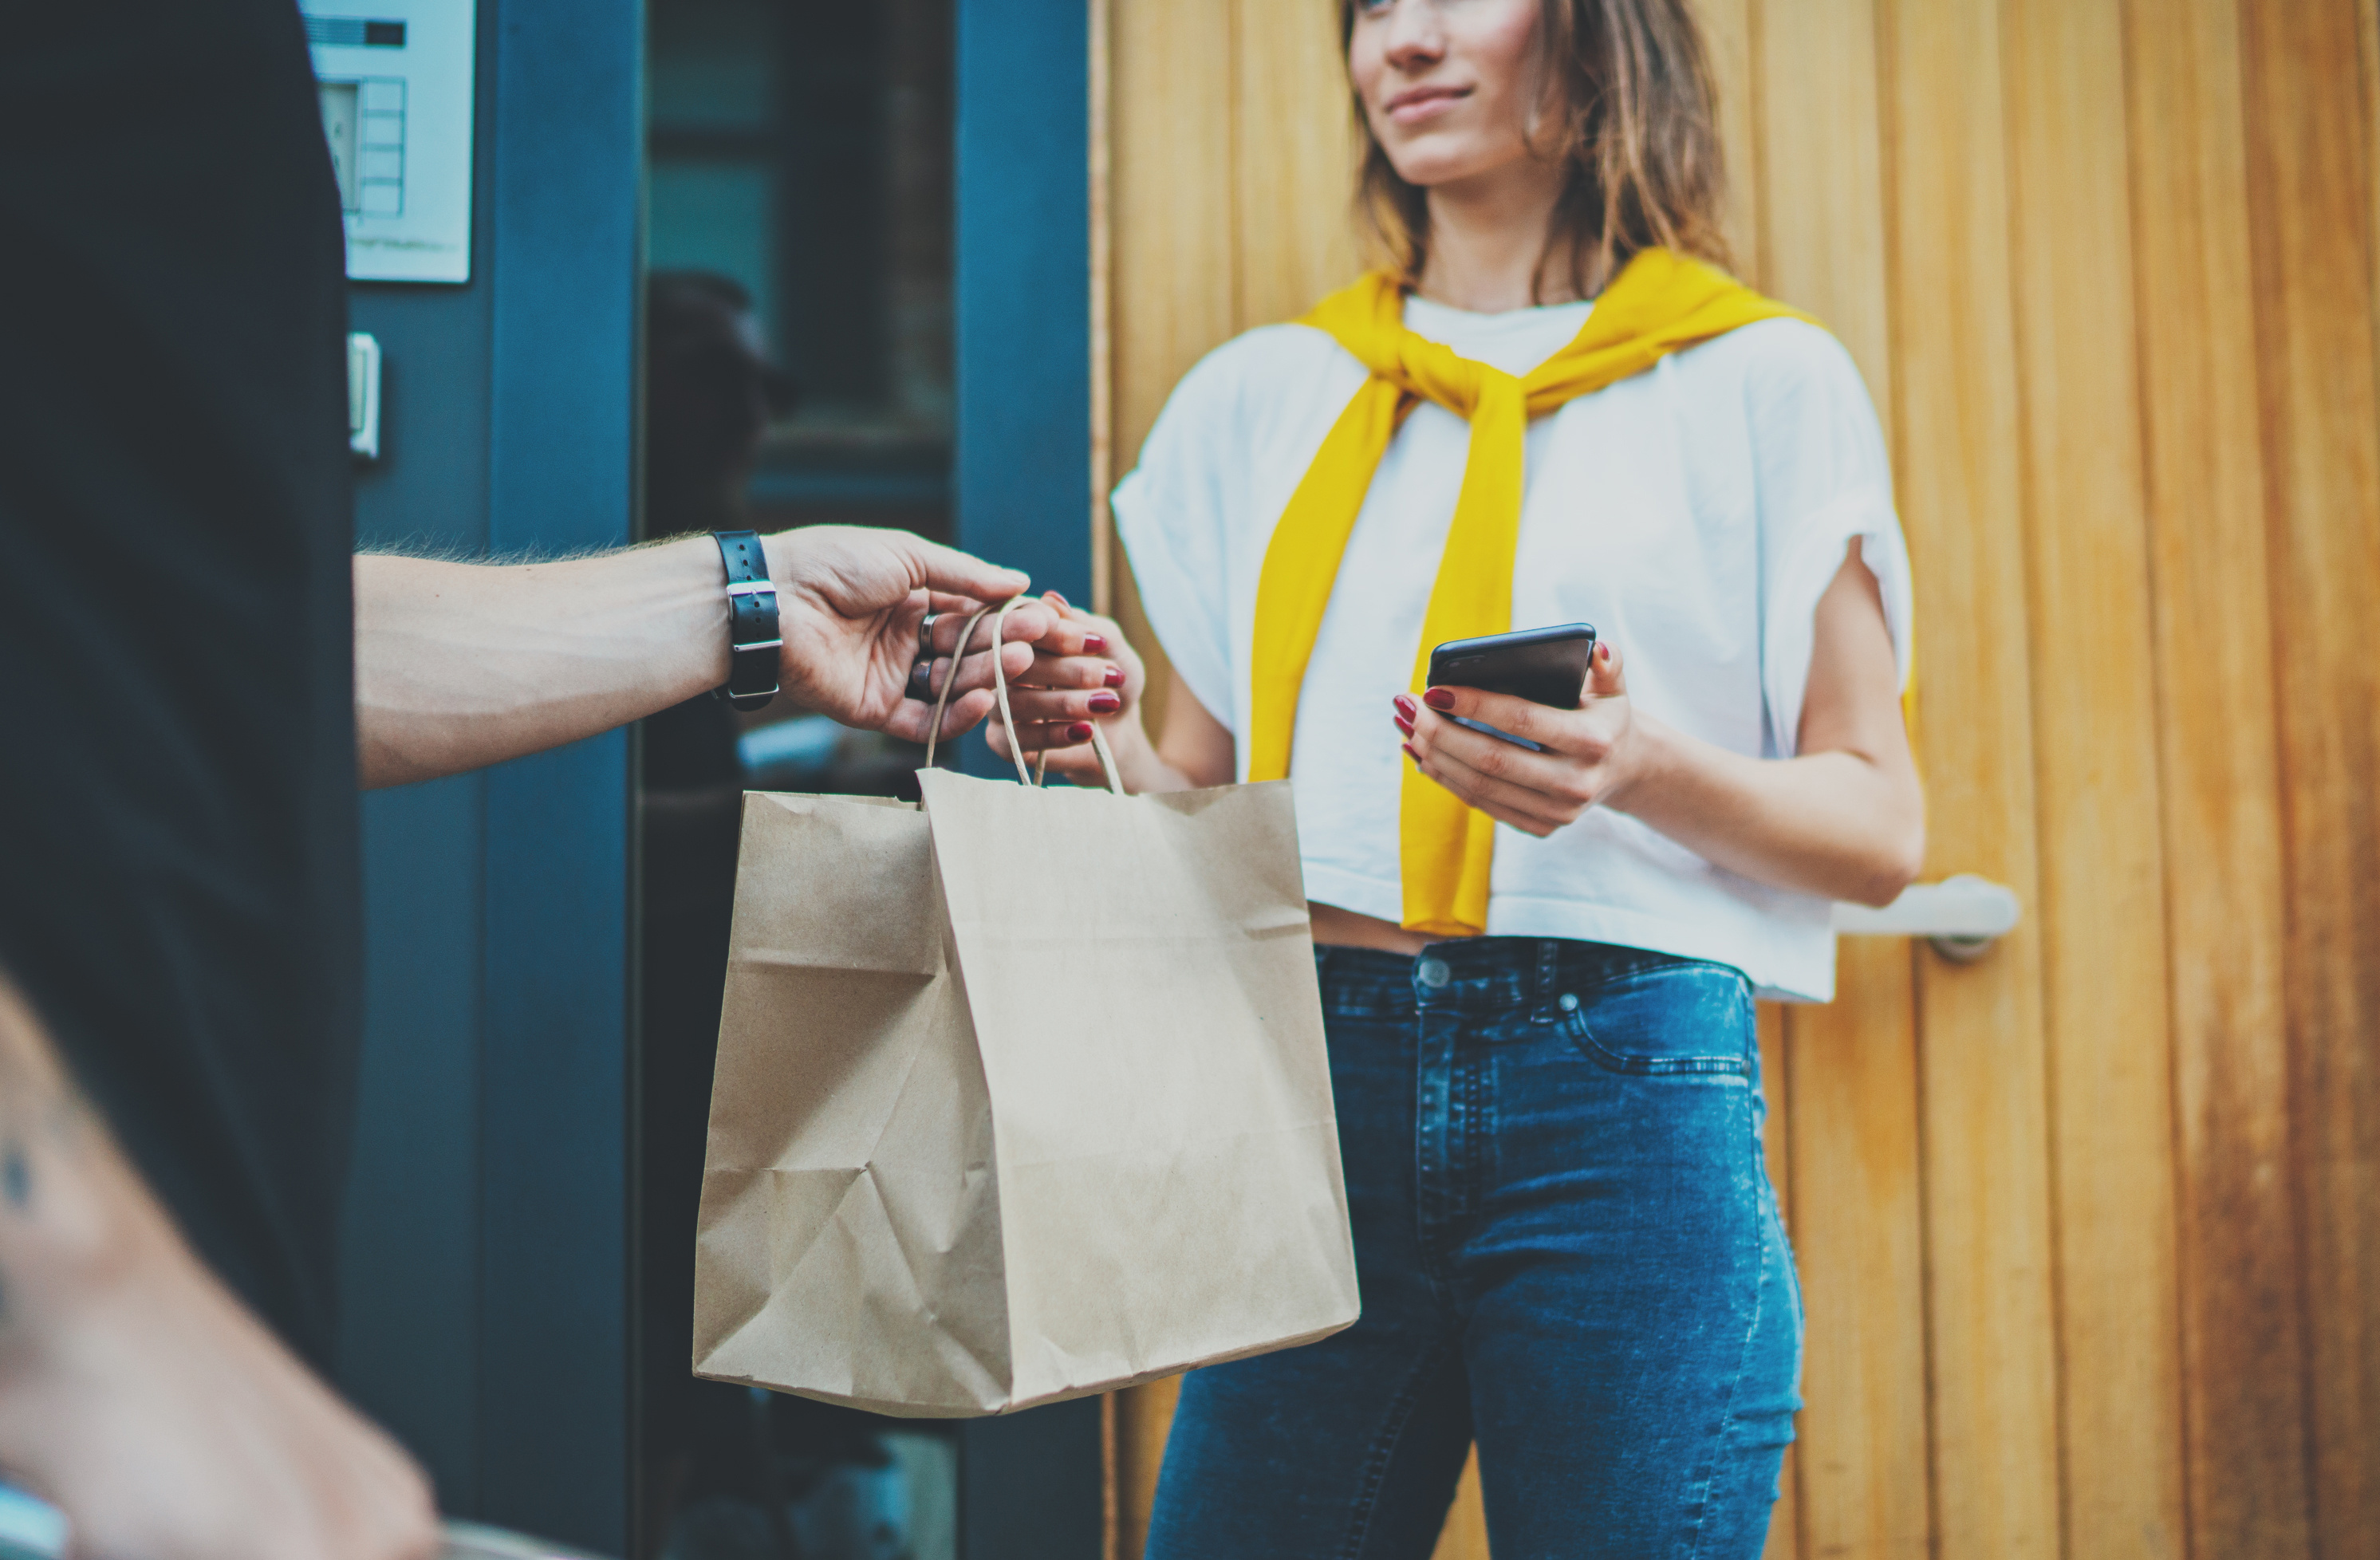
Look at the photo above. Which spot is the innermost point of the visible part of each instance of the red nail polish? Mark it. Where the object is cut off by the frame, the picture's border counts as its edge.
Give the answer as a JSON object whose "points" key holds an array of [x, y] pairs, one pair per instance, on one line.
{"points": [[1079, 732], [1114, 677], [1439, 698], [1411, 753], [1095, 643], [1405, 707], [1603, 654], [1402, 724], [1105, 703]]}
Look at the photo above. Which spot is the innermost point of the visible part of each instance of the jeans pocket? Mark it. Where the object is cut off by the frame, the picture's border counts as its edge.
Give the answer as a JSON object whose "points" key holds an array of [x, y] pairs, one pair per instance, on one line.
{"points": [[1688, 1018]]}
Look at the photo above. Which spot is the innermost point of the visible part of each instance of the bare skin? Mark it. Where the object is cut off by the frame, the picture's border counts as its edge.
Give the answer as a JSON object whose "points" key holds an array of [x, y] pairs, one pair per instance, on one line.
{"points": [[1445, 88], [135, 1393], [463, 665]]}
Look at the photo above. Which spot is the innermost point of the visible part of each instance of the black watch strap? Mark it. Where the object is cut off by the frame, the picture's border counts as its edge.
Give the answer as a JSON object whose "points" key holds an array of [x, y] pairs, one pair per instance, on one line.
{"points": [[752, 635]]}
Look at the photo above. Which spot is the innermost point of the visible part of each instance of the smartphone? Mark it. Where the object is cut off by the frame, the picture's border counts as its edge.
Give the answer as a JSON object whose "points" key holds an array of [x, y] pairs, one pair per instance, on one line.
{"points": [[1545, 666]]}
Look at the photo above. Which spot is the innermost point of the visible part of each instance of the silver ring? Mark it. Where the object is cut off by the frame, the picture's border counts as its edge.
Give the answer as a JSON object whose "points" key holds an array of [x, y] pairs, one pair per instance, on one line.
{"points": [[926, 634]]}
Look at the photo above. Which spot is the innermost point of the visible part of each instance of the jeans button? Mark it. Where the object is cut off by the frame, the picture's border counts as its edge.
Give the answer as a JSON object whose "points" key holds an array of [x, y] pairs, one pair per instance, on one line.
{"points": [[1433, 972], [1569, 1003]]}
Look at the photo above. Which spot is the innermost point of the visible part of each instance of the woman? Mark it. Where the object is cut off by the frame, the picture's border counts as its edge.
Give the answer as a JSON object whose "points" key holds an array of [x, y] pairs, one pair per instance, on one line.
{"points": [[1541, 1027]]}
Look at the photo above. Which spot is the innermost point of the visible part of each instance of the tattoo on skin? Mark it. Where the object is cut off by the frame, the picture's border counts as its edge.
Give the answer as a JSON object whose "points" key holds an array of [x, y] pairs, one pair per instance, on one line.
{"points": [[41, 1111], [45, 1129]]}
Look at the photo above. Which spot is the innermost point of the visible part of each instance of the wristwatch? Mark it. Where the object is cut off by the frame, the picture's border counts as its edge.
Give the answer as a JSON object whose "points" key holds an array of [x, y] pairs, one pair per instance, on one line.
{"points": [[752, 636]]}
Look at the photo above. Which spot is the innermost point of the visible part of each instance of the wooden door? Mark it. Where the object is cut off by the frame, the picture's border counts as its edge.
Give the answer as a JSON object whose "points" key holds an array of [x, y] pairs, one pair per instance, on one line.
{"points": [[2089, 1231]]}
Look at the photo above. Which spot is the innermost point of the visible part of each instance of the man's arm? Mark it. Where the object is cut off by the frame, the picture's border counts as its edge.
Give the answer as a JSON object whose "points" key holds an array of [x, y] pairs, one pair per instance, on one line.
{"points": [[134, 1392], [462, 665]]}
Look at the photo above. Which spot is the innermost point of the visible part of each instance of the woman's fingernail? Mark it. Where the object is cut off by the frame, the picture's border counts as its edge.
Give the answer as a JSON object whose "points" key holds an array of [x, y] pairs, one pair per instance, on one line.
{"points": [[1079, 732], [1406, 708], [1411, 753], [1059, 599], [1114, 677], [1439, 698], [1095, 643], [1105, 703], [1603, 654], [1402, 724]]}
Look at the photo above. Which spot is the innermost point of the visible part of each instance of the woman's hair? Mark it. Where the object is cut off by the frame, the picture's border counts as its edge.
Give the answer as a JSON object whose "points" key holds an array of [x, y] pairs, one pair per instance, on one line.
{"points": [[1633, 120]]}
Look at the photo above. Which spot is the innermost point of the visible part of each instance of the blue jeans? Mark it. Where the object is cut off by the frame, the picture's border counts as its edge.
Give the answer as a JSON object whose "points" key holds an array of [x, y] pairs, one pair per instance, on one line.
{"points": [[1569, 1251]]}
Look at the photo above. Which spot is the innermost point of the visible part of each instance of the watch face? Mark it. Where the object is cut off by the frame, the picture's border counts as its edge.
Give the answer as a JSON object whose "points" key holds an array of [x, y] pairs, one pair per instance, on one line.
{"points": [[469, 1540]]}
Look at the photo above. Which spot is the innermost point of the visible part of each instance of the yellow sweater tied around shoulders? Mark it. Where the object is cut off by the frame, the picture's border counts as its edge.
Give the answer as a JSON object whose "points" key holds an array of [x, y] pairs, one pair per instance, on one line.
{"points": [[1660, 303]]}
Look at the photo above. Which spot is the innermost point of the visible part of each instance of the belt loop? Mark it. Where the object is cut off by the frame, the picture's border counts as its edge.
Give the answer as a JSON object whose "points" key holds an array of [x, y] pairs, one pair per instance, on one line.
{"points": [[1549, 976]]}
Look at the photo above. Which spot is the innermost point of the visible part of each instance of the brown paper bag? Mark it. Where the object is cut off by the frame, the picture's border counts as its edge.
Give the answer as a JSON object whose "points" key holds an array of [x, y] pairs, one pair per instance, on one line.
{"points": [[1020, 1096]]}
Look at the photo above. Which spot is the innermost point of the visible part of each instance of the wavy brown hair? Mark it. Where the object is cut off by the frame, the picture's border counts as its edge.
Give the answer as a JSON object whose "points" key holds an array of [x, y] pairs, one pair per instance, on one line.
{"points": [[1634, 119]]}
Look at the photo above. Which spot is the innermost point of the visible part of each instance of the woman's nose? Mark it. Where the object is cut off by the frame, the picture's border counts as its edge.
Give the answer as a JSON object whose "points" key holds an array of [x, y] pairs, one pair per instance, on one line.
{"points": [[1417, 34]]}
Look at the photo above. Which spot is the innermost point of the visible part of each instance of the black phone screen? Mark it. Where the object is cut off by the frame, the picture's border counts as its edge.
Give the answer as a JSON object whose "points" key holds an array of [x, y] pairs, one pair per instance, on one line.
{"points": [[1542, 665]]}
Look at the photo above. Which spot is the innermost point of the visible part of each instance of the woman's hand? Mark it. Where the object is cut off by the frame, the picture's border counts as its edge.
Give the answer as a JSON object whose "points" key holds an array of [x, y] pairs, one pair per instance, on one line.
{"points": [[1592, 755], [1081, 672], [849, 602]]}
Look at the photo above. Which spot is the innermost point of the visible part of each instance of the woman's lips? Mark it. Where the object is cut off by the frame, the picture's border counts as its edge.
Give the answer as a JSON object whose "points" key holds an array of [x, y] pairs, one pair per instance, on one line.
{"points": [[1418, 104]]}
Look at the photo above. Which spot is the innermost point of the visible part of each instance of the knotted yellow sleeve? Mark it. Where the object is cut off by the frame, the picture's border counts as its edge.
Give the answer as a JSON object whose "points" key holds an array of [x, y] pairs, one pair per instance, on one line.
{"points": [[1660, 303]]}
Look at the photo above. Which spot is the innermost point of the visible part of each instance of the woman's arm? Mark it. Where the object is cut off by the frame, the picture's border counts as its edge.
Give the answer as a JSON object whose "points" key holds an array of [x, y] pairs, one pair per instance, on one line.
{"points": [[1845, 818]]}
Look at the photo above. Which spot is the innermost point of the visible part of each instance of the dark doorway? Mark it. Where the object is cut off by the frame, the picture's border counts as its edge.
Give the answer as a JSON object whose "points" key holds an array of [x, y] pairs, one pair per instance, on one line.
{"points": [[799, 371]]}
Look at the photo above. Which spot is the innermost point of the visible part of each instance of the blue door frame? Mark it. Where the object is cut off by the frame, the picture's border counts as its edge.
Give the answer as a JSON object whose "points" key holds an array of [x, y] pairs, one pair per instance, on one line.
{"points": [[1030, 1484], [487, 1233], [486, 1238]]}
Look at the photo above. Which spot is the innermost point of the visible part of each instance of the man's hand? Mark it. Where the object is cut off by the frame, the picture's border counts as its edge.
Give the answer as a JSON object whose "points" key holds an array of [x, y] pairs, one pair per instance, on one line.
{"points": [[461, 665], [136, 1393], [849, 600]]}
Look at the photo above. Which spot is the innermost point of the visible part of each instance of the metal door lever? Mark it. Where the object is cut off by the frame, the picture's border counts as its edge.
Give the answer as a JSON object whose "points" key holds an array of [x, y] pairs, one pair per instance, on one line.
{"points": [[1962, 917]]}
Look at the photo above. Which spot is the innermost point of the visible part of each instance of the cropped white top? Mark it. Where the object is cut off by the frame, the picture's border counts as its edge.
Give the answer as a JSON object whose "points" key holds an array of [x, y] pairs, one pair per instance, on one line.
{"points": [[1693, 513]]}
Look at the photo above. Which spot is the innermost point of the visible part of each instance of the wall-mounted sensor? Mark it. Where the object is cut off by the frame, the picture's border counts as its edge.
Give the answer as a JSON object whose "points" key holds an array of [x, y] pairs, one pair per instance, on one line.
{"points": [[397, 93], [363, 396]]}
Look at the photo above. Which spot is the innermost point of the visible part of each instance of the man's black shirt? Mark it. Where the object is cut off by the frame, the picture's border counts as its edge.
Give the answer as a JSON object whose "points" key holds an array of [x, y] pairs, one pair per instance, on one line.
{"points": [[178, 820]]}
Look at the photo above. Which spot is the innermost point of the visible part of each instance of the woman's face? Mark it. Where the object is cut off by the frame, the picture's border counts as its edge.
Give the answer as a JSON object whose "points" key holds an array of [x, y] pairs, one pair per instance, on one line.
{"points": [[1446, 83]]}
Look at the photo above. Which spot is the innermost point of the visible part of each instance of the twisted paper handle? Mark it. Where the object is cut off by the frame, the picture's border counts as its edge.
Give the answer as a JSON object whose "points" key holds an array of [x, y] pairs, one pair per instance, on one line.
{"points": [[1000, 691]]}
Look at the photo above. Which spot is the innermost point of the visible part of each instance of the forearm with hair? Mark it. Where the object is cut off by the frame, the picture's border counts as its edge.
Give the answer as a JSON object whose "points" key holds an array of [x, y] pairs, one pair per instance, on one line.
{"points": [[462, 665]]}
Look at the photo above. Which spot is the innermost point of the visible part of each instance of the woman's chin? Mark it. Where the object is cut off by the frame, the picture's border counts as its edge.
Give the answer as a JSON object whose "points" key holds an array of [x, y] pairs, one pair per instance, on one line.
{"points": [[1427, 167]]}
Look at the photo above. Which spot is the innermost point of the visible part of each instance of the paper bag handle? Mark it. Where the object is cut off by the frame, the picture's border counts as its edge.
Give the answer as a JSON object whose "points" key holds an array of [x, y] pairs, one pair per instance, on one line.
{"points": [[1000, 690]]}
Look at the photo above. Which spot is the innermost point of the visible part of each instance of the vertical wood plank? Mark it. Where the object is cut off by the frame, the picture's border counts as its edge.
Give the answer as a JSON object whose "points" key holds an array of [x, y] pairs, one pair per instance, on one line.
{"points": [[2242, 1349], [1464, 1537], [1295, 159], [1989, 1248], [1855, 1215], [1729, 29], [1820, 203], [2094, 710], [1859, 1467], [1143, 1416], [2309, 199], [1174, 250], [1170, 184]]}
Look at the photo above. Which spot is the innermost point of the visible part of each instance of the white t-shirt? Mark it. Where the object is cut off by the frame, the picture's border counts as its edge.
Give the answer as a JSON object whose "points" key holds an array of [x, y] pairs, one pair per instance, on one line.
{"points": [[1693, 513]]}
